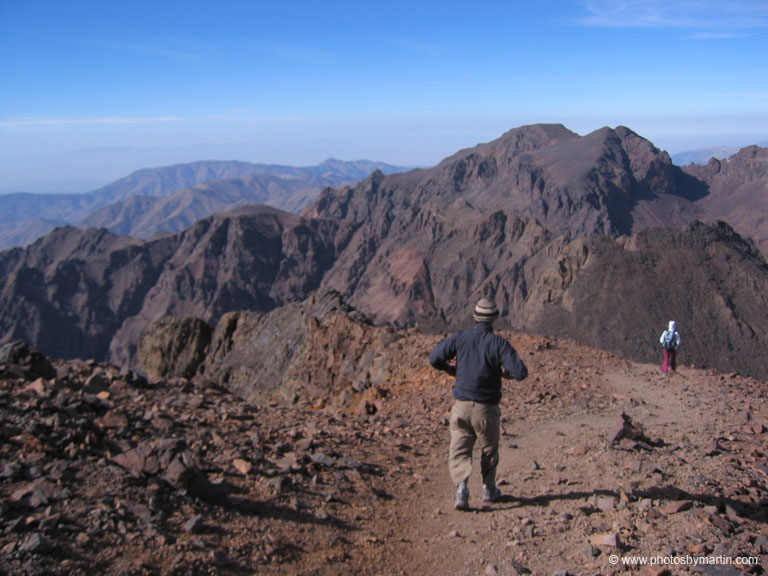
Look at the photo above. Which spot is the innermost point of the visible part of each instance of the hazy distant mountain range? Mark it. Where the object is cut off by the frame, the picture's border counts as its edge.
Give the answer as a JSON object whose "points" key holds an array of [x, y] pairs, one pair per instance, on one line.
{"points": [[599, 238], [168, 199], [703, 155]]}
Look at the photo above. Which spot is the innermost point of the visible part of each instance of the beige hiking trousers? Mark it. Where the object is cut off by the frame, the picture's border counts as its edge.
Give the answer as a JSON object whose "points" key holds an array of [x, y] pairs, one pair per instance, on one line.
{"points": [[472, 421]]}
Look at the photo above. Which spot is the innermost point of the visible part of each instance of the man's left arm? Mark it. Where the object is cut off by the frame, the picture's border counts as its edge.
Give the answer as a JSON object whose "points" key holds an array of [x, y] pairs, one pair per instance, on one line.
{"points": [[513, 365]]}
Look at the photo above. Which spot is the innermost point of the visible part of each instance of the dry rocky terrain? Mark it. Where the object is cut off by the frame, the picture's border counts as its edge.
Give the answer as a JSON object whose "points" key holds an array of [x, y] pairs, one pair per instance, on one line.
{"points": [[104, 472]]}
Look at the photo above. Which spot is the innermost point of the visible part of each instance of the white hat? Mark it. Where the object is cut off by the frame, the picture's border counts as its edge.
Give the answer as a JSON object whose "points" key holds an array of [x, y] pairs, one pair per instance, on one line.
{"points": [[486, 311]]}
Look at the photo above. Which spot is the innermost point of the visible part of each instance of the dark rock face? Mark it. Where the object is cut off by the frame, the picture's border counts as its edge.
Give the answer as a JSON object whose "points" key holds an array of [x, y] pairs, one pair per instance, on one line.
{"points": [[254, 259], [738, 192], [69, 292], [90, 294], [608, 182]]}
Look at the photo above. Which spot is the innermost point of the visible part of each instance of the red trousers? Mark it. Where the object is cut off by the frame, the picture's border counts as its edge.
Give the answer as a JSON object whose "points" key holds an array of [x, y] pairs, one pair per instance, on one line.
{"points": [[670, 361]]}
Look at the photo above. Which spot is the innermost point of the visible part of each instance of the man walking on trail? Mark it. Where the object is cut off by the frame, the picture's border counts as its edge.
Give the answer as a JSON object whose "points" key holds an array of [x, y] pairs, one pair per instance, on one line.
{"points": [[482, 358]]}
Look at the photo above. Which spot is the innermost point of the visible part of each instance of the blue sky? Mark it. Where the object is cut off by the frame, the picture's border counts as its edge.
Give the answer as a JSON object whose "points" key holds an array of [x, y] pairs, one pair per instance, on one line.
{"points": [[94, 90]]}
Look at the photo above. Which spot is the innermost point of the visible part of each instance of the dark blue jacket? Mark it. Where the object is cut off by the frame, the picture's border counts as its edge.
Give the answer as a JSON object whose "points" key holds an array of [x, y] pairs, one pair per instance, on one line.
{"points": [[480, 356]]}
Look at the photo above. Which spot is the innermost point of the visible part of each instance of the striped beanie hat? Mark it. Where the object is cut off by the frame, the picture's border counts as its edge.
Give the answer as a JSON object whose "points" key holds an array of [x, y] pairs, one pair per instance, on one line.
{"points": [[486, 311]]}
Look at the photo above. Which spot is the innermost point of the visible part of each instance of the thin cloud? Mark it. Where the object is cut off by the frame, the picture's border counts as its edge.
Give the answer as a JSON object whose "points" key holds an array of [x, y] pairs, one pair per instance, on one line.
{"points": [[167, 47], [420, 47], [716, 36], [53, 122], [296, 53], [701, 14], [185, 56]]}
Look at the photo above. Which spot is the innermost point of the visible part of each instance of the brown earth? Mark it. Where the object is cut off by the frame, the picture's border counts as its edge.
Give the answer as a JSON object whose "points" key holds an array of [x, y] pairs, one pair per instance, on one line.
{"points": [[102, 472]]}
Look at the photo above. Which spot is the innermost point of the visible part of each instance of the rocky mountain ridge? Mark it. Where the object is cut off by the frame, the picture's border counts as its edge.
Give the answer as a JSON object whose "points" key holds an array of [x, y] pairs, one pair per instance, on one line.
{"points": [[539, 219], [738, 192]]}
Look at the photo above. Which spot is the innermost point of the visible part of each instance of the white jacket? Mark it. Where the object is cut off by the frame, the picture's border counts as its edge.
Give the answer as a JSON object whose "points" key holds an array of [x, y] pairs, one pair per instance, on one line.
{"points": [[672, 329]]}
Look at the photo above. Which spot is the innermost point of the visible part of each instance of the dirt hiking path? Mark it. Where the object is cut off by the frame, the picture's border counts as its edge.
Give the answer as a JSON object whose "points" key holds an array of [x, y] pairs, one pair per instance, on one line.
{"points": [[572, 501]]}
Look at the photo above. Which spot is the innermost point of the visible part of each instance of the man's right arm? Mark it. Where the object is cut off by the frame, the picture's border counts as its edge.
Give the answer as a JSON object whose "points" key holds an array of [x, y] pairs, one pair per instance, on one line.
{"points": [[442, 354]]}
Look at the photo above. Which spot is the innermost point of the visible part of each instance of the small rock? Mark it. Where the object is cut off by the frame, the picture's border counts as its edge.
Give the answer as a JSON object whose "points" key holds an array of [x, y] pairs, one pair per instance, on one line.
{"points": [[676, 507], [38, 387], [279, 484], [36, 544], [221, 559], [95, 383], [629, 435], [113, 419], [761, 544], [322, 459], [721, 523], [518, 569], [349, 462], [606, 503], [610, 539], [713, 448], [242, 466], [9, 470], [591, 552], [655, 571], [194, 524]]}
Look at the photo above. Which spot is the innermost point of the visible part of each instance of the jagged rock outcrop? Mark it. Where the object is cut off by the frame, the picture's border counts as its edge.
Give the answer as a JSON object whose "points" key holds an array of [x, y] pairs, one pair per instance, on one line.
{"points": [[320, 352], [426, 242], [174, 347], [21, 360], [738, 192]]}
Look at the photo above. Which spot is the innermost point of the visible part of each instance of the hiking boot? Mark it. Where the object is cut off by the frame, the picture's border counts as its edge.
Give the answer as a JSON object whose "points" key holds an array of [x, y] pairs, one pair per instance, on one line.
{"points": [[491, 493], [462, 497]]}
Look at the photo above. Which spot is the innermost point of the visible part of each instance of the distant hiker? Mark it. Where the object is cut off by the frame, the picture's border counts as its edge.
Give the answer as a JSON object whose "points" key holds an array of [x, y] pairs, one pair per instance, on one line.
{"points": [[482, 358], [670, 341]]}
